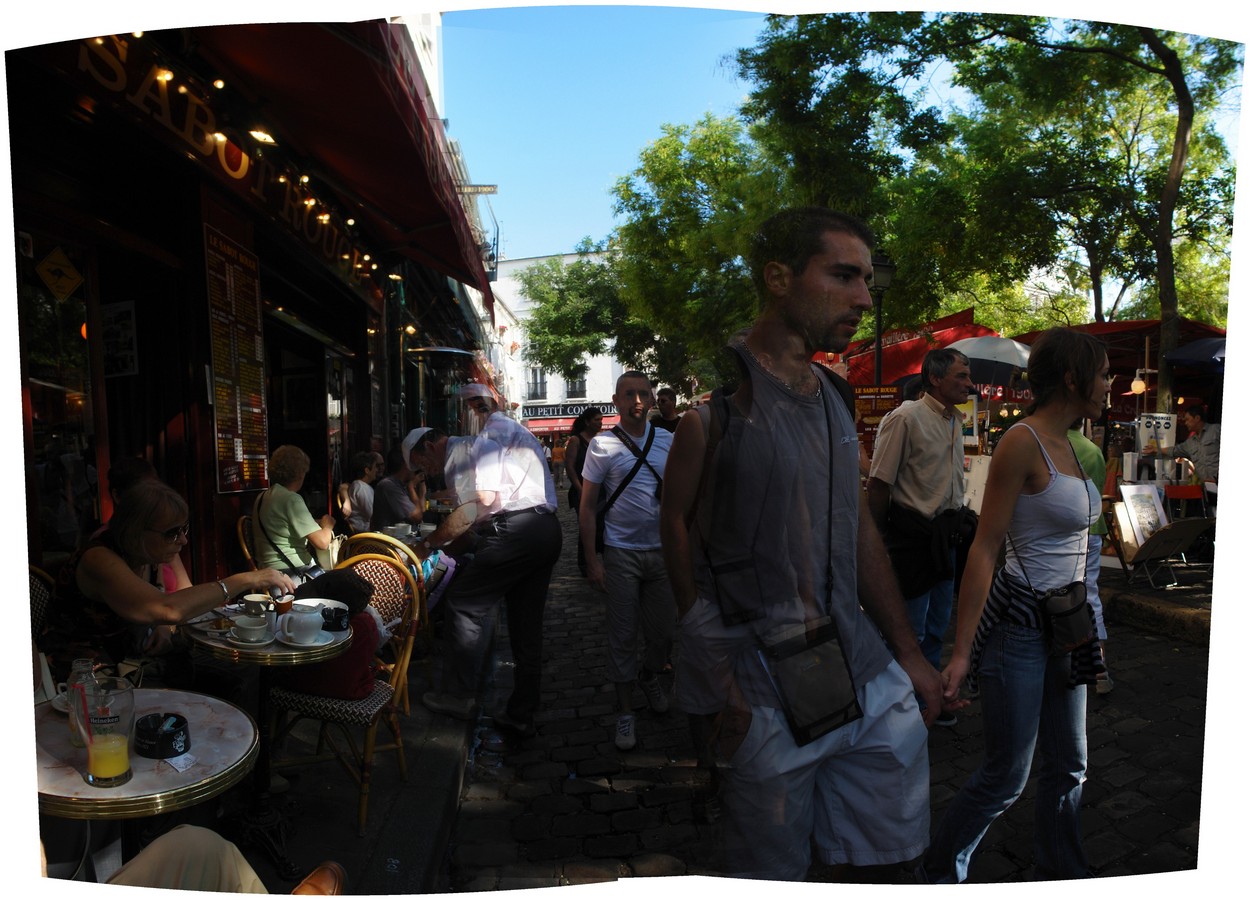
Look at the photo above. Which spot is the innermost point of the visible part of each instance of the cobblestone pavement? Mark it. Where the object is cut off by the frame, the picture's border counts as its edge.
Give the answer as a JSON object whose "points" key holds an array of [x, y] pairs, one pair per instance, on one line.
{"points": [[567, 807]]}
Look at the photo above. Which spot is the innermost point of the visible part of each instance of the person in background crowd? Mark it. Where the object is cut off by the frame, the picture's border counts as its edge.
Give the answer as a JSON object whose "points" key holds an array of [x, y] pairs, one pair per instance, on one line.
{"points": [[666, 403], [400, 495], [632, 571], [113, 582], [513, 501], [1038, 500], [916, 493], [367, 466], [557, 462], [585, 427], [283, 527], [1094, 465], [1201, 447]]}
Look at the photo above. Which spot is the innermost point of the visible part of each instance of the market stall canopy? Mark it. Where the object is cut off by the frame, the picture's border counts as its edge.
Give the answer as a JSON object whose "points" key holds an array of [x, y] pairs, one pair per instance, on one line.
{"points": [[1126, 341], [903, 349], [352, 99], [1204, 353]]}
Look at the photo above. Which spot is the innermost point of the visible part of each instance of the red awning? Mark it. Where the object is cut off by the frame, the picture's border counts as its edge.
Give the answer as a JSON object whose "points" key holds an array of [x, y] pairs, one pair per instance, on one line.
{"points": [[350, 97], [903, 349], [562, 425]]}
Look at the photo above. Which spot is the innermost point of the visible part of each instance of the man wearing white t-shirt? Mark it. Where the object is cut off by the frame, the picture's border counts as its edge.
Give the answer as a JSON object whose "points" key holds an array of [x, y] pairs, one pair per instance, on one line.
{"points": [[625, 467]]}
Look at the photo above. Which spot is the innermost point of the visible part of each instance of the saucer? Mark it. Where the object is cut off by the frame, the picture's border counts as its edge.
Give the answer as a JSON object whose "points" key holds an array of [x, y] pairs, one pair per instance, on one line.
{"points": [[323, 638], [60, 703], [239, 642]]}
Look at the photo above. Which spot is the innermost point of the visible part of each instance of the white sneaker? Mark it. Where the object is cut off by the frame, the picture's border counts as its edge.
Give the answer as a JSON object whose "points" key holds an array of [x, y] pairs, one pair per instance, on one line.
{"points": [[625, 739], [654, 692]]}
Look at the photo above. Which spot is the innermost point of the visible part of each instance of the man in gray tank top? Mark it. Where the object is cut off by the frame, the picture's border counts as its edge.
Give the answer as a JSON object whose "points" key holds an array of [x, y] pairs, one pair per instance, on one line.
{"points": [[774, 561]]}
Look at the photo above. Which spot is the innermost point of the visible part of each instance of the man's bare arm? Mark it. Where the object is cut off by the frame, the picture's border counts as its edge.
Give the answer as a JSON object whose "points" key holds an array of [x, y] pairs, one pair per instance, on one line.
{"points": [[682, 474], [881, 599]]}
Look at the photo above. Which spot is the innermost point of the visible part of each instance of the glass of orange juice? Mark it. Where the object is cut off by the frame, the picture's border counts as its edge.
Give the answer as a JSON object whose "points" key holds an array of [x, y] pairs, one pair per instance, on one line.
{"points": [[104, 716]]}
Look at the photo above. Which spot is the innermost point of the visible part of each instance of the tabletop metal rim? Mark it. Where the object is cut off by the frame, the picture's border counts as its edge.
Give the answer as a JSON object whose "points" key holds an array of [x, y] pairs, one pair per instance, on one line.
{"points": [[105, 807]]}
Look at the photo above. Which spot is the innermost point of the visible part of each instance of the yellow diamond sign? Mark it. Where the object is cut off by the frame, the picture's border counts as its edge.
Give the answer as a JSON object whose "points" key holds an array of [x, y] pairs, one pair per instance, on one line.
{"points": [[59, 274]]}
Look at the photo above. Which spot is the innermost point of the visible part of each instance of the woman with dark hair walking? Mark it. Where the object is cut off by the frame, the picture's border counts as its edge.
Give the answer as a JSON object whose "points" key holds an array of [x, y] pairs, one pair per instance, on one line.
{"points": [[1038, 501], [585, 427]]}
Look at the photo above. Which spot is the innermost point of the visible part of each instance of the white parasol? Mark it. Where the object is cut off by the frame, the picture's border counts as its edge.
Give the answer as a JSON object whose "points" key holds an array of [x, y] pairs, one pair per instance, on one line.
{"points": [[993, 360]]}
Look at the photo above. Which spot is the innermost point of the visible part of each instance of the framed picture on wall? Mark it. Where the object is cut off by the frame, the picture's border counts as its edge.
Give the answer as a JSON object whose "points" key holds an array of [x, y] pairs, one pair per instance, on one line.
{"points": [[1145, 510]]}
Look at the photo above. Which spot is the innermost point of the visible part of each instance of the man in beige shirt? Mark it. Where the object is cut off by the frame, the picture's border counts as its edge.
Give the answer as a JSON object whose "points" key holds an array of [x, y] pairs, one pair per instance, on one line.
{"points": [[917, 474]]}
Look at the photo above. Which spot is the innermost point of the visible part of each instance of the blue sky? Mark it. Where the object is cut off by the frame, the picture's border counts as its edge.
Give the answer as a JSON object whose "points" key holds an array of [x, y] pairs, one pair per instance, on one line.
{"points": [[553, 104]]}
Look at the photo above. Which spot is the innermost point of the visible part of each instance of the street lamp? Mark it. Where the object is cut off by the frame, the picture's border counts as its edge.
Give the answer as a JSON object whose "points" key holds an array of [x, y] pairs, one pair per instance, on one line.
{"points": [[882, 275]]}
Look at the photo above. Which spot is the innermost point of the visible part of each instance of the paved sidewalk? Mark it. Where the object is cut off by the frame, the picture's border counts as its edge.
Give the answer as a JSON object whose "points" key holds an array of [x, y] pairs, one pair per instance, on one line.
{"points": [[566, 807]]}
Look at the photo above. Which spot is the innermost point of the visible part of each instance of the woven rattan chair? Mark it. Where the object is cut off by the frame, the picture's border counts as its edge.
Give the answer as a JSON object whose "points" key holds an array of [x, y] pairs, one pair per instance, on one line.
{"points": [[244, 529], [41, 585], [395, 584], [343, 719], [376, 542]]}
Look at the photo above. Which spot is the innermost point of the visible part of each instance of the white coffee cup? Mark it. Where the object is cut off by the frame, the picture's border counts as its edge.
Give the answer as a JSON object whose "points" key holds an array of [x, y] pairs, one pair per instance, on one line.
{"points": [[302, 624], [250, 628]]}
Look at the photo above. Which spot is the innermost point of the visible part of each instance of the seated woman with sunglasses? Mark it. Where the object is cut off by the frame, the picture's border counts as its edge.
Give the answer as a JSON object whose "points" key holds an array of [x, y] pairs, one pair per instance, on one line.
{"points": [[114, 584]]}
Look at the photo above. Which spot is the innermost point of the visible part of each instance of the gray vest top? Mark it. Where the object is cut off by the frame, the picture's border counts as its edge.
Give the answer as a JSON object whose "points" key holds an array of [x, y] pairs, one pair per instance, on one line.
{"points": [[774, 542]]}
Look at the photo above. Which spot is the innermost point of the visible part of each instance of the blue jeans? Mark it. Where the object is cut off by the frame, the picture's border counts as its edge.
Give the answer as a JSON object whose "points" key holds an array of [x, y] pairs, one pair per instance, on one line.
{"points": [[929, 614], [1027, 703]]}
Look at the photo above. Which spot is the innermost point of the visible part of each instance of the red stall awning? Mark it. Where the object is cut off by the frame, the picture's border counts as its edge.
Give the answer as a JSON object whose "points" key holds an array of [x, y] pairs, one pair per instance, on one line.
{"points": [[903, 349], [351, 98], [562, 425]]}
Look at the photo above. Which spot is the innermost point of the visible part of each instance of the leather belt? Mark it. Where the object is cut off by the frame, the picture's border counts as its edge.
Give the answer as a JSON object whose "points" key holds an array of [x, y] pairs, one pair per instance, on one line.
{"points": [[509, 513]]}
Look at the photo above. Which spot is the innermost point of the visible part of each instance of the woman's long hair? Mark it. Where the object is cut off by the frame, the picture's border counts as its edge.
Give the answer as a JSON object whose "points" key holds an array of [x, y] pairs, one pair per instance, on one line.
{"points": [[581, 423]]}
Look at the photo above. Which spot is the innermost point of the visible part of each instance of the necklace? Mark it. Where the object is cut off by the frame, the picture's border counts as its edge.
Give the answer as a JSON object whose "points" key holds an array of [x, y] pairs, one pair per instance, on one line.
{"points": [[803, 386]]}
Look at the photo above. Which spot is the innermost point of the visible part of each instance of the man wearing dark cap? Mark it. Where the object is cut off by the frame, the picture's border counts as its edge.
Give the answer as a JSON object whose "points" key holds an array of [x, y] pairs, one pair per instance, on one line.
{"points": [[508, 498]]}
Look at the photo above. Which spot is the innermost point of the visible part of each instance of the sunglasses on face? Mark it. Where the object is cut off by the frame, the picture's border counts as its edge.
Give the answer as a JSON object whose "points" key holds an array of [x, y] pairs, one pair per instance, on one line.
{"points": [[175, 533]]}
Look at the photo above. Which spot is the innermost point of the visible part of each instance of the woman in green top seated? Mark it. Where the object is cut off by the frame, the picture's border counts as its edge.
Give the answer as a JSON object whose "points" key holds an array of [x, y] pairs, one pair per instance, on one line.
{"points": [[284, 528]]}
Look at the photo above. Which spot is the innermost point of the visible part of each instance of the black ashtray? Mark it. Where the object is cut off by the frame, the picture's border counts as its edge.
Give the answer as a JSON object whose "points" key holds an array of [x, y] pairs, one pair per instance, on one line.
{"points": [[162, 736]]}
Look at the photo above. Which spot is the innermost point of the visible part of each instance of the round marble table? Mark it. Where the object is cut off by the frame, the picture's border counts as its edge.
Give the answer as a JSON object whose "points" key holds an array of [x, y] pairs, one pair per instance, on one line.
{"points": [[224, 743], [263, 825]]}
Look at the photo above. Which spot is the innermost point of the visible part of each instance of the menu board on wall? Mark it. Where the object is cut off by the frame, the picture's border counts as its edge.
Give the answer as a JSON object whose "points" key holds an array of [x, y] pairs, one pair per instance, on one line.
{"points": [[238, 358], [872, 402]]}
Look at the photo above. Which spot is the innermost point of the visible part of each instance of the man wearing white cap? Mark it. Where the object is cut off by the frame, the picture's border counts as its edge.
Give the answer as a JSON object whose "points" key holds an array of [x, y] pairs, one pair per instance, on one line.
{"points": [[505, 477]]}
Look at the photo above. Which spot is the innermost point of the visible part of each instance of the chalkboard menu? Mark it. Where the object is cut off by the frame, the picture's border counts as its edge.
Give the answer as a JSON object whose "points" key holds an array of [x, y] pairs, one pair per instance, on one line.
{"points": [[238, 358]]}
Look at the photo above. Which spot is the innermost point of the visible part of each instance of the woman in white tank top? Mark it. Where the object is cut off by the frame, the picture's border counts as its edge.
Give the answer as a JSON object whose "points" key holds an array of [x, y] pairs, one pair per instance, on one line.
{"points": [[1038, 502]]}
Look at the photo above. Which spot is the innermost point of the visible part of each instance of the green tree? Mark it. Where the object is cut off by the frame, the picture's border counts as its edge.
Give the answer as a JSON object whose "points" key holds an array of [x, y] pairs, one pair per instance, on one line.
{"points": [[577, 310], [689, 209], [1064, 63], [1043, 164]]}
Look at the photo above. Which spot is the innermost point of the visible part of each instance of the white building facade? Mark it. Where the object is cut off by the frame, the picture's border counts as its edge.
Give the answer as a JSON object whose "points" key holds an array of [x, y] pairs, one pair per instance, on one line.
{"points": [[549, 402]]}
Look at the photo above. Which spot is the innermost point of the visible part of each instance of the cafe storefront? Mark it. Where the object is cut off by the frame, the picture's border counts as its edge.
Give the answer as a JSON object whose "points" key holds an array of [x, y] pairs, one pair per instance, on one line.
{"points": [[195, 294]]}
